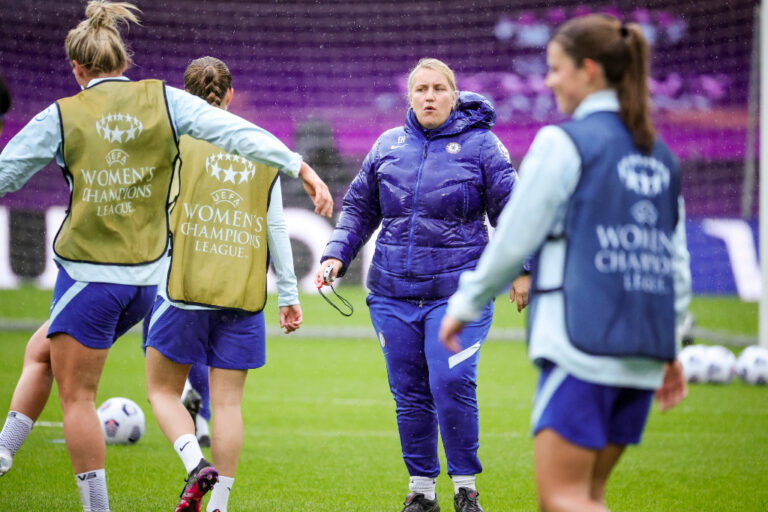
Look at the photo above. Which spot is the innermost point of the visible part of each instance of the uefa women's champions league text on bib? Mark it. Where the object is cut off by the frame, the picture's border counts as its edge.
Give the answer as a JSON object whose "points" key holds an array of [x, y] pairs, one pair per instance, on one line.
{"points": [[118, 149], [638, 250], [219, 229], [218, 223]]}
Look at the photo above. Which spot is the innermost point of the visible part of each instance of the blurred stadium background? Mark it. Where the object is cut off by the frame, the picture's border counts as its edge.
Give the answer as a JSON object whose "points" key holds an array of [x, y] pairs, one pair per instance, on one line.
{"points": [[329, 77]]}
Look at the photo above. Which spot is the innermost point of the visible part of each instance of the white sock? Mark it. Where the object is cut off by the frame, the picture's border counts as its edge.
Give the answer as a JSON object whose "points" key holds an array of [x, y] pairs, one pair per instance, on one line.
{"points": [[187, 387], [201, 426], [220, 494], [15, 431], [423, 484], [93, 490], [189, 451], [460, 481]]}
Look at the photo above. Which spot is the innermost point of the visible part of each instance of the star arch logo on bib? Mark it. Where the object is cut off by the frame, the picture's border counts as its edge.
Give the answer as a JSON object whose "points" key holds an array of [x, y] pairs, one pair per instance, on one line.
{"points": [[644, 175], [119, 127], [230, 168], [453, 147]]}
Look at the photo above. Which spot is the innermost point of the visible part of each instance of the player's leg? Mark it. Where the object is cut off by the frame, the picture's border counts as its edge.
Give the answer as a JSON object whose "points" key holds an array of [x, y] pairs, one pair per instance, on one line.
{"points": [[579, 430], [84, 323], [176, 339], [399, 327], [237, 344], [628, 415], [165, 381], [34, 386], [453, 382], [226, 399], [77, 369], [605, 462], [569, 427], [29, 397], [564, 474]]}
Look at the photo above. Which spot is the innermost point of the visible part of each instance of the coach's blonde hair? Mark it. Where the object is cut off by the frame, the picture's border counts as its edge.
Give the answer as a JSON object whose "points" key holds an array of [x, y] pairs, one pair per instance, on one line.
{"points": [[96, 43], [209, 78], [436, 65]]}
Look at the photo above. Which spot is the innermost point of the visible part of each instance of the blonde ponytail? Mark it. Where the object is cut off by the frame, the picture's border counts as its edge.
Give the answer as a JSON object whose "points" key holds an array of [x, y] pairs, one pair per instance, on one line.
{"points": [[96, 43]]}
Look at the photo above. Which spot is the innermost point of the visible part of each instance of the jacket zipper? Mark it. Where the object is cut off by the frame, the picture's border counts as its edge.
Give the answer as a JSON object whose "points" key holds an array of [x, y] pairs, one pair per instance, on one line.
{"points": [[413, 210]]}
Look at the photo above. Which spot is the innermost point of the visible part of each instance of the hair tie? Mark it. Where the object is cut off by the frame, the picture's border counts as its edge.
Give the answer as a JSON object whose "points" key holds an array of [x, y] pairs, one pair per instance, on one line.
{"points": [[623, 30]]}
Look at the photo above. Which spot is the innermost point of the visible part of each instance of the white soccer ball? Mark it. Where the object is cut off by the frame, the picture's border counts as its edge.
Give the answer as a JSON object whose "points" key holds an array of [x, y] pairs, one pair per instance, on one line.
{"points": [[752, 365], [721, 364], [694, 361], [122, 421]]}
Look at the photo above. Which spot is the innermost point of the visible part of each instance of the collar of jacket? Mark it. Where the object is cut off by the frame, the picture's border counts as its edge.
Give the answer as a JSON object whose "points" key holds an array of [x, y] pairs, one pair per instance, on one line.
{"points": [[472, 111]]}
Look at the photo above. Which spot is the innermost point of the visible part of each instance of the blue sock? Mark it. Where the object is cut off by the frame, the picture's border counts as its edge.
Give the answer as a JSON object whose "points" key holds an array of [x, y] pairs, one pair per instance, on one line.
{"points": [[198, 378]]}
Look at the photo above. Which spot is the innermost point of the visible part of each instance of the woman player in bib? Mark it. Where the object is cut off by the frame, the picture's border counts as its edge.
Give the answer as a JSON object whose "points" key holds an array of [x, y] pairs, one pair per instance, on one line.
{"points": [[116, 141], [226, 222], [601, 197]]}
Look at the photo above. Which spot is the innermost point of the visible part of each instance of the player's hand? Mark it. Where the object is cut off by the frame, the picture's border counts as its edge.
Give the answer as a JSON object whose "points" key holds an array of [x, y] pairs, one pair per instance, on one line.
{"points": [[449, 333], [290, 318], [317, 190], [335, 269], [518, 291], [673, 388]]}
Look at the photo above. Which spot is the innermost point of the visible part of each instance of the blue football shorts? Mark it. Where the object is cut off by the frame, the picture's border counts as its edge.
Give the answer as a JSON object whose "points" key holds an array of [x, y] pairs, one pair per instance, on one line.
{"points": [[586, 414], [96, 314], [220, 338]]}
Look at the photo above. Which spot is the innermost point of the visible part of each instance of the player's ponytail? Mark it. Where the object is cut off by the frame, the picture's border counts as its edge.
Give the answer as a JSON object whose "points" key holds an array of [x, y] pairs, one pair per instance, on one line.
{"points": [[622, 52], [209, 78], [96, 43], [634, 97]]}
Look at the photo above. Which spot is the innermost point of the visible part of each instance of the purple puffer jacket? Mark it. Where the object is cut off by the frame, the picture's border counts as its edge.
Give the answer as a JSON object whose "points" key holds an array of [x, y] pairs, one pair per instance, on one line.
{"points": [[430, 191]]}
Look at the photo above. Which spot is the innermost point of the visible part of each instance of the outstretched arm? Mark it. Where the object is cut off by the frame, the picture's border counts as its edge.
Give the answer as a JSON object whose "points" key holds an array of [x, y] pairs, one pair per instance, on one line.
{"points": [[193, 116], [30, 150]]}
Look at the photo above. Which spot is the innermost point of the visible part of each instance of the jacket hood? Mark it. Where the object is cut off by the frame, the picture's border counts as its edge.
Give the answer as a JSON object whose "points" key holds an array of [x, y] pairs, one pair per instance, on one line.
{"points": [[472, 111]]}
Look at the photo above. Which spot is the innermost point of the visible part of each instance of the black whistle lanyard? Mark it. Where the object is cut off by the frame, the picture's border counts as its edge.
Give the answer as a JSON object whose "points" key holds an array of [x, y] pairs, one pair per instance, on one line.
{"points": [[344, 301]]}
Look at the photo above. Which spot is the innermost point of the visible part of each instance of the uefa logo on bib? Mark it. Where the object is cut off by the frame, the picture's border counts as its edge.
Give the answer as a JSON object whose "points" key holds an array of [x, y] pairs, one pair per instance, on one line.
{"points": [[643, 175], [119, 127], [230, 168]]}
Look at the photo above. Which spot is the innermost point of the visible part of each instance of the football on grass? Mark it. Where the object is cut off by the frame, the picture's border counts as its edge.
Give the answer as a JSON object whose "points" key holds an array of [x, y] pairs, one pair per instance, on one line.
{"points": [[122, 421]]}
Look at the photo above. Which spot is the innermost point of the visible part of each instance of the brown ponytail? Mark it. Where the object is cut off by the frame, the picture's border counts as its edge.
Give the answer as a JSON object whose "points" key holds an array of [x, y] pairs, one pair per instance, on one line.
{"points": [[623, 53], [96, 43], [209, 78]]}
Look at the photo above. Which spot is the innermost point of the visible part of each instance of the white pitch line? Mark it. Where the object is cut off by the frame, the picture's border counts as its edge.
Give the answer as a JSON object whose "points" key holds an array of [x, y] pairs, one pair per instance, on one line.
{"points": [[51, 424]]}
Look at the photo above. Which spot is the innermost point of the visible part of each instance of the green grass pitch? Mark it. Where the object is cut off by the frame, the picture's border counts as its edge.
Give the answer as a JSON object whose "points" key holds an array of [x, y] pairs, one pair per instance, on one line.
{"points": [[320, 429]]}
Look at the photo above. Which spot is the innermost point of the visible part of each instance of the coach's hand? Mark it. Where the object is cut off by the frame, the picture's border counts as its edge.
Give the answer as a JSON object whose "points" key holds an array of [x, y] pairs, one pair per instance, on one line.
{"points": [[449, 333], [518, 291], [317, 190], [290, 318], [335, 269]]}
